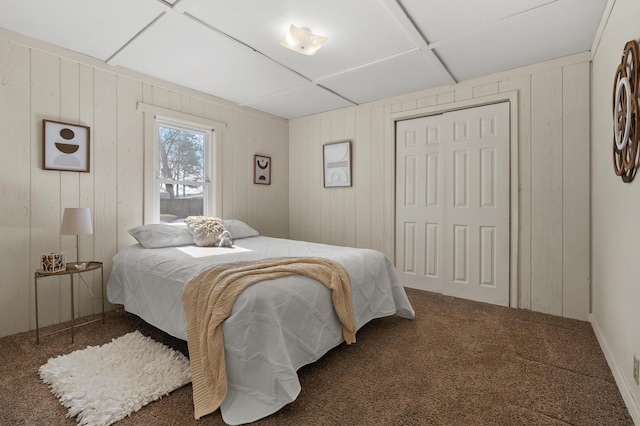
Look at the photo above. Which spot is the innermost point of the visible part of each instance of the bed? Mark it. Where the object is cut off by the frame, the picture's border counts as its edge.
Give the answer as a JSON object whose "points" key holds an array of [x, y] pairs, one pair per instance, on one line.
{"points": [[275, 326]]}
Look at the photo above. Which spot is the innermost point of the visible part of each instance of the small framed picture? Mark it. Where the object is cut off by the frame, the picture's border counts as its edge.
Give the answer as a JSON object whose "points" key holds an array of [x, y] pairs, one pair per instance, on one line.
{"points": [[262, 169], [65, 146], [337, 164]]}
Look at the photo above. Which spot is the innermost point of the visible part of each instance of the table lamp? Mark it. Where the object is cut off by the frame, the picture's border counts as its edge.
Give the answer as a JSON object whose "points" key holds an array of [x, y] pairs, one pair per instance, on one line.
{"points": [[76, 221]]}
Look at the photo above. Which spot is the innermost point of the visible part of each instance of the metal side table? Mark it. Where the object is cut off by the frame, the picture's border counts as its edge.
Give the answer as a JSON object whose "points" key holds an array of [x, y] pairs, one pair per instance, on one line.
{"points": [[71, 270]]}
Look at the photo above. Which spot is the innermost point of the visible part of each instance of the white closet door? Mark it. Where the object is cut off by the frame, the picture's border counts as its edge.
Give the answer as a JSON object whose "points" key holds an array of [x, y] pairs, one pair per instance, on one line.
{"points": [[452, 203], [419, 202]]}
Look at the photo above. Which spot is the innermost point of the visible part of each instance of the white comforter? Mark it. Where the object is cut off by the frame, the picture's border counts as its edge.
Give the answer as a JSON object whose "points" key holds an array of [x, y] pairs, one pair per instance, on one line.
{"points": [[275, 327]]}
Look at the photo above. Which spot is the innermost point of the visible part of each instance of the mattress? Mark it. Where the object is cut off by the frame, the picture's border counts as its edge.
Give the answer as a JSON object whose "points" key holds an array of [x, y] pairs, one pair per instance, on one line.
{"points": [[275, 326]]}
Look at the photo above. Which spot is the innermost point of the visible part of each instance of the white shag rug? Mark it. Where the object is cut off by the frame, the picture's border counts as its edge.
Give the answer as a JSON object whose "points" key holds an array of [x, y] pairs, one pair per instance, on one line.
{"points": [[104, 384]]}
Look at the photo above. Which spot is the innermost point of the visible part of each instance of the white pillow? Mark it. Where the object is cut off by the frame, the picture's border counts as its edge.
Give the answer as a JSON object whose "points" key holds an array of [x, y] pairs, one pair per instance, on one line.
{"points": [[157, 235], [238, 229]]}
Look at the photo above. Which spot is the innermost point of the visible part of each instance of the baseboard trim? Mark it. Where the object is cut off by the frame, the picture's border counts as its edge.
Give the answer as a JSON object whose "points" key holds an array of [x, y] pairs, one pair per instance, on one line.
{"points": [[627, 396]]}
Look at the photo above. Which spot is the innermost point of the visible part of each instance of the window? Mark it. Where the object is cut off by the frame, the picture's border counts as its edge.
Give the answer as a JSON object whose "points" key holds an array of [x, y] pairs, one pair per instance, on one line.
{"points": [[182, 170], [182, 165]]}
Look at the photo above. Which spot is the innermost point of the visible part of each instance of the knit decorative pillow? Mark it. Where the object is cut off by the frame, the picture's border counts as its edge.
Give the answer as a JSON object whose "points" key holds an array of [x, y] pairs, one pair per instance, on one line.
{"points": [[208, 231]]}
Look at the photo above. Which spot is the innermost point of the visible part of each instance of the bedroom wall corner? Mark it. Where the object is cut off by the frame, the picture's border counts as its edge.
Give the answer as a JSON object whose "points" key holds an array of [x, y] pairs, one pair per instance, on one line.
{"points": [[615, 205], [38, 81], [553, 164]]}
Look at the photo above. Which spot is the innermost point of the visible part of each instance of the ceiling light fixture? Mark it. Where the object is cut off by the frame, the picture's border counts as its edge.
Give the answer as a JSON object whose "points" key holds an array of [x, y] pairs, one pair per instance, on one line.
{"points": [[302, 40]]}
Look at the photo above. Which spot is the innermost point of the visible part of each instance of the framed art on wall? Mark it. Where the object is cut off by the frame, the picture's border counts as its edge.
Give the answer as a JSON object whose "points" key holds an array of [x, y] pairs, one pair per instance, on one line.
{"points": [[337, 164], [626, 140], [262, 169], [65, 146]]}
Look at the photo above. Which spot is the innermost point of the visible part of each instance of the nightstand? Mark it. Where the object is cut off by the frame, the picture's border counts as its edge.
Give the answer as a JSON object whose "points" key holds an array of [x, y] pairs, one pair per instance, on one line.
{"points": [[71, 270]]}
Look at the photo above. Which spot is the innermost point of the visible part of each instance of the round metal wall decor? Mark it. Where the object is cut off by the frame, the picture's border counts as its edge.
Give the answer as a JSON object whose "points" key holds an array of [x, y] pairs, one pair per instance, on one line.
{"points": [[625, 114]]}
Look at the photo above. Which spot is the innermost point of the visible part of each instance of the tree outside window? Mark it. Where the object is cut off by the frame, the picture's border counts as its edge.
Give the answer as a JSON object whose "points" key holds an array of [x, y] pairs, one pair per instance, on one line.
{"points": [[182, 171]]}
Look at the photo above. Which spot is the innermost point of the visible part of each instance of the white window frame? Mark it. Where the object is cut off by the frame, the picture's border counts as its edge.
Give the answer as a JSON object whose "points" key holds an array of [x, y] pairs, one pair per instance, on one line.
{"points": [[153, 117]]}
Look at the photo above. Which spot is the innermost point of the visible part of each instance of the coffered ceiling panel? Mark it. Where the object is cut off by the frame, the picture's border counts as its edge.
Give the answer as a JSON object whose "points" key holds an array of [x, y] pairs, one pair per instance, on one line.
{"points": [[358, 31], [374, 49], [94, 28], [401, 74], [299, 101], [177, 50], [518, 41], [441, 19]]}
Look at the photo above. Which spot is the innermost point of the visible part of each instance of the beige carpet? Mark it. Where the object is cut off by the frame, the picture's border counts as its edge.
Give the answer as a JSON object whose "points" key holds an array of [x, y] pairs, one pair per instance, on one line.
{"points": [[458, 363]]}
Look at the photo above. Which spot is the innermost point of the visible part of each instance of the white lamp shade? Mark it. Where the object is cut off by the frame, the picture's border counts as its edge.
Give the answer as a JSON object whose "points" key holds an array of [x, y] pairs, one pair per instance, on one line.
{"points": [[76, 221]]}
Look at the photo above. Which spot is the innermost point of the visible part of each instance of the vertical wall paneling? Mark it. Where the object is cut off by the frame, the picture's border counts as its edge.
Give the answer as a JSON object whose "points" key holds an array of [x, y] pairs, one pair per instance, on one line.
{"points": [[310, 137], [105, 152], [256, 191], [296, 228], [130, 154], [325, 198], [539, 132], [614, 208], [52, 83], [16, 258], [225, 142], [362, 178], [318, 189], [161, 97], [149, 149], [350, 199], [312, 177], [575, 204], [217, 141], [298, 210], [546, 191], [377, 178], [279, 222], [70, 181], [337, 194], [45, 185], [242, 157], [87, 303], [388, 187]]}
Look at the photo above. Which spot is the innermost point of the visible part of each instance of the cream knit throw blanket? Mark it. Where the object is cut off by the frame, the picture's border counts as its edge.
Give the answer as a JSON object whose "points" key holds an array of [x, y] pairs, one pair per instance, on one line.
{"points": [[209, 297]]}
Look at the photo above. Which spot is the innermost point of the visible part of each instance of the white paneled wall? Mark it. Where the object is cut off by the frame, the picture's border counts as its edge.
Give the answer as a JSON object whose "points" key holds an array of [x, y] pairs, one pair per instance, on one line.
{"points": [[553, 176], [40, 81], [614, 206]]}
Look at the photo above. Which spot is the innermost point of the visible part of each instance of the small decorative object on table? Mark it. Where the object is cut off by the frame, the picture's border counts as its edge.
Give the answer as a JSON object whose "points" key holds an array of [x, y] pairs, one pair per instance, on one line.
{"points": [[53, 262], [73, 269]]}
